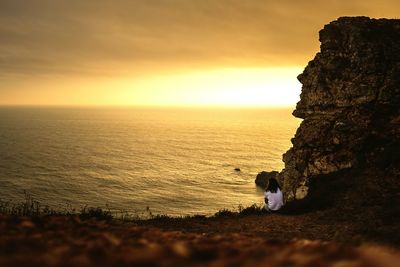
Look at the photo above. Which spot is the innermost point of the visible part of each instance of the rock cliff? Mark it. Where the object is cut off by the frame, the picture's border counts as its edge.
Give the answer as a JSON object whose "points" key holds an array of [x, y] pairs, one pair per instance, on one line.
{"points": [[350, 103]]}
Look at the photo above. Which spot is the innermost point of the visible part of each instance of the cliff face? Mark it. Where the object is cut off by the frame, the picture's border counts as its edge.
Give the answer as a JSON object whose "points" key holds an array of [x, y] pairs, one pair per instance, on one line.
{"points": [[350, 104]]}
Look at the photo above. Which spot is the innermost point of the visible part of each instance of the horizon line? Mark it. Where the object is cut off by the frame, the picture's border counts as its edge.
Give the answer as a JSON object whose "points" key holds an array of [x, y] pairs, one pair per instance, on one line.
{"points": [[147, 106]]}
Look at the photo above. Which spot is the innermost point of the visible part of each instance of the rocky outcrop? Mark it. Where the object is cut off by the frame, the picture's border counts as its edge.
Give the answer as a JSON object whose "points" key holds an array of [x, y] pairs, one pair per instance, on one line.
{"points": [[350, 103], [263, 177]]}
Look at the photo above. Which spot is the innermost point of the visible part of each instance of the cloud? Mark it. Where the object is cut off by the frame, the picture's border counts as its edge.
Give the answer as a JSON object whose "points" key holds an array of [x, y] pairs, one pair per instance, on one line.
{"points": [[70, 37]]}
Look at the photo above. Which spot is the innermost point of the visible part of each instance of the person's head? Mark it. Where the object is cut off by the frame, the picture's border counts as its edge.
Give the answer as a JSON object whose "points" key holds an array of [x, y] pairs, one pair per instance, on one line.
{"points": [[272, 185]]}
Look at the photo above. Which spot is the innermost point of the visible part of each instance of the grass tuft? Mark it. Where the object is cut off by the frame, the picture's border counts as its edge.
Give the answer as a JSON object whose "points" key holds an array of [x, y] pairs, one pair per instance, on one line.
{"points": [[225, 213], [251, 210], [95, 213], [31, 207]]}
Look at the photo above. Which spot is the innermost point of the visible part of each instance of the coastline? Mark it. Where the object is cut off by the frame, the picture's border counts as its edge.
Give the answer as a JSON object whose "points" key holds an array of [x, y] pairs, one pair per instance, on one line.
{"points": [[346, 151]]}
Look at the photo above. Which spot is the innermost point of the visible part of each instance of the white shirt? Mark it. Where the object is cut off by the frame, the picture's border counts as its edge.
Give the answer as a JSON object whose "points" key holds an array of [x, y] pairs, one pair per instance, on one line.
{"points": [[275, 200]]}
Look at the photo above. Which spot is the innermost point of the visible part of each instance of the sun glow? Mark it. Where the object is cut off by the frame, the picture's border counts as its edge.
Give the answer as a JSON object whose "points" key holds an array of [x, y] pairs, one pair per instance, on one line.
{"points": [[218, 87], [222, 87]]}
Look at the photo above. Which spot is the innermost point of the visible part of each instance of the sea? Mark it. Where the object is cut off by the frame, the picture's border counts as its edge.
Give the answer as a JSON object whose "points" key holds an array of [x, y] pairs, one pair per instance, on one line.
{"points": [[163, 161]]}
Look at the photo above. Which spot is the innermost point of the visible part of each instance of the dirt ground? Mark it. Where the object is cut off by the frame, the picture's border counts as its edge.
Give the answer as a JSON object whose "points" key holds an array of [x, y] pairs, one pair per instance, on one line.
{"points": [[252, 240]]}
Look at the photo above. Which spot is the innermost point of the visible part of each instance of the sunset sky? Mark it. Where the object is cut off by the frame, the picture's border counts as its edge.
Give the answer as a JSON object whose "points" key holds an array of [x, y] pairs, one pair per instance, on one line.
{"points": [[164, 52]]}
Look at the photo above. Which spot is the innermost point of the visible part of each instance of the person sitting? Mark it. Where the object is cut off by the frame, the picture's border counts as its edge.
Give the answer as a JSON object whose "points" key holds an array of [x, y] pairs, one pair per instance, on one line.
{"points": [[273, 196]]}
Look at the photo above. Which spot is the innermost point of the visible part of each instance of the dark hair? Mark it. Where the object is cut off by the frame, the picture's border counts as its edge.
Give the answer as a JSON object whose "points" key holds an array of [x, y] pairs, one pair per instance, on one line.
{"points": [[273, 185]]}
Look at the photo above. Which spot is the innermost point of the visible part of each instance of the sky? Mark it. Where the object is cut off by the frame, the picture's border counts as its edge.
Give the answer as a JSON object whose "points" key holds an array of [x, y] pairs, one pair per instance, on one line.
{"points": [[164, 52]]}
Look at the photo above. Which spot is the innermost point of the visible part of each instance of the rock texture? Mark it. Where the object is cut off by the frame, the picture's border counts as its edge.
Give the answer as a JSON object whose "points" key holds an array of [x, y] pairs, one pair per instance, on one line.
{"points": [[263, 177], [350, 103]]}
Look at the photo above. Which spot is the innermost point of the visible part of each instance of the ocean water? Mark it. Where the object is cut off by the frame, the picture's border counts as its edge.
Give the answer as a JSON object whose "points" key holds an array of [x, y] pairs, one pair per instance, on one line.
{"points": [[175, 161]]}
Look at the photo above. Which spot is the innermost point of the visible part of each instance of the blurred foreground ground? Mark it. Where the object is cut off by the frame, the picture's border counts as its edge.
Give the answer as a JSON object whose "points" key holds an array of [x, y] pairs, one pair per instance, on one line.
{"points": [[253, 240]]}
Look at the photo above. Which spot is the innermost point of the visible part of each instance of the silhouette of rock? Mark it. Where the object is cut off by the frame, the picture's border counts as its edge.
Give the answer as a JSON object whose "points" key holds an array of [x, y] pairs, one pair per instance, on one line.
{"points": [[237, 169], [350, 103], [262, 178]]}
